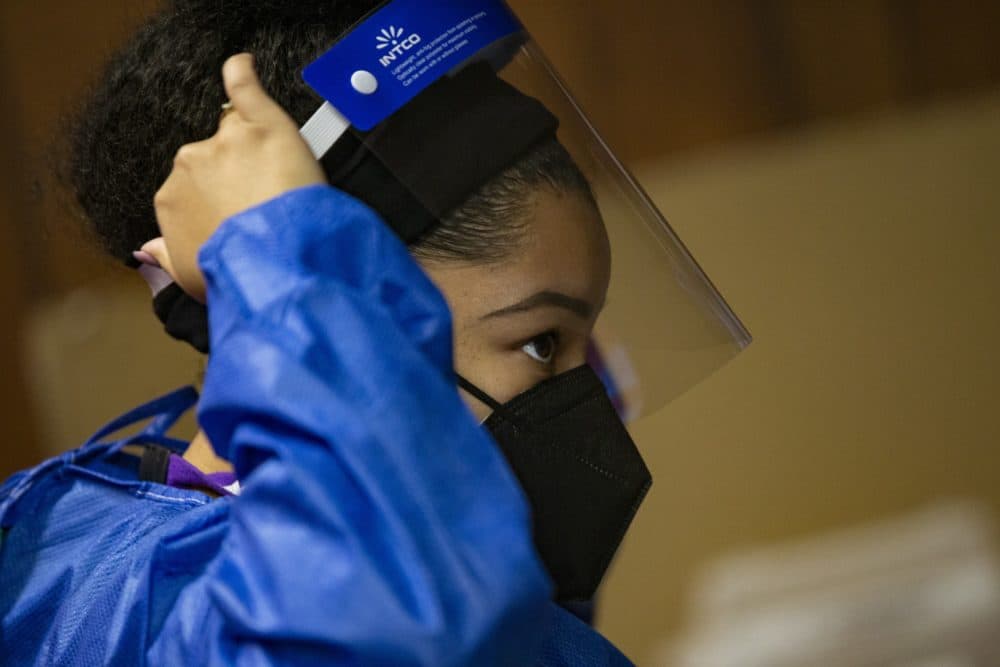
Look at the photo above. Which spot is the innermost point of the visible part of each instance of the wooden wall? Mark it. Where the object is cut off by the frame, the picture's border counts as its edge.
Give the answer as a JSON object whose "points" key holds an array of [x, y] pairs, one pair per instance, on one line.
{"points": [[665, 76]]}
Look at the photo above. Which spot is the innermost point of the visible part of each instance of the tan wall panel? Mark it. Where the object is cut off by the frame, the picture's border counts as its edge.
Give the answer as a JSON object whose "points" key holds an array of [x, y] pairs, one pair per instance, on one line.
{"points": [[863, 259]]}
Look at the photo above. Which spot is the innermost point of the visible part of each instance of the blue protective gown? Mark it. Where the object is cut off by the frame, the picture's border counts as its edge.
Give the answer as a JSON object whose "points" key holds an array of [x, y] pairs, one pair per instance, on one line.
{"points": [[378, 523]]}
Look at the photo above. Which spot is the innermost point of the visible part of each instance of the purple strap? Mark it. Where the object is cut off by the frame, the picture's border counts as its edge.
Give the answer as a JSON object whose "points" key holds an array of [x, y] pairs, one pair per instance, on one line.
{"points": [[183, 475]]}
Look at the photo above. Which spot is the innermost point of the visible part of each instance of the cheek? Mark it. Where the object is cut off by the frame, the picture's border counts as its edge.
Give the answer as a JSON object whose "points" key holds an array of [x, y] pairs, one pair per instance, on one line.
{"points": [[499, 372]]}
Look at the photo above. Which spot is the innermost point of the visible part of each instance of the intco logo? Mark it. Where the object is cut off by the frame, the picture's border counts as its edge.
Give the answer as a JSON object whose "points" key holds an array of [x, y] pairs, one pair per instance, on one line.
{"points": [[392, 39]]}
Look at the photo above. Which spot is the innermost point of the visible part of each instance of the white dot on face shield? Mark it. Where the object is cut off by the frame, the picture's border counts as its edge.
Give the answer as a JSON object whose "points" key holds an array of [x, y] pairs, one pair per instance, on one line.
{"points": [[364, 82]]}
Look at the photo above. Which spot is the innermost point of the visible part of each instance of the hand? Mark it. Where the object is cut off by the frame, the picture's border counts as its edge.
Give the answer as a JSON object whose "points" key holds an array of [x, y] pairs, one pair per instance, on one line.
{"points": [[256, 155]]}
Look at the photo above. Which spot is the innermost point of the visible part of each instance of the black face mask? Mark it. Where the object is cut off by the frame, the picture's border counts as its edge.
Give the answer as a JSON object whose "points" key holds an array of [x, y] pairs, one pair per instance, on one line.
{"points": [[579, 468]]}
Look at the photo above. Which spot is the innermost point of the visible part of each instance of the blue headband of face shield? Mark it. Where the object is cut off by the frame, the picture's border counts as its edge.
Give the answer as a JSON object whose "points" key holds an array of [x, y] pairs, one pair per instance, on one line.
{"points": [[426, 102], [416, 119], [442, 130]]}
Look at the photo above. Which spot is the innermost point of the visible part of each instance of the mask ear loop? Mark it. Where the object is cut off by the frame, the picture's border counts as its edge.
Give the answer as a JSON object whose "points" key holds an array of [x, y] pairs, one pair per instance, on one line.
{"points": [[489, 401], [479, 393]]}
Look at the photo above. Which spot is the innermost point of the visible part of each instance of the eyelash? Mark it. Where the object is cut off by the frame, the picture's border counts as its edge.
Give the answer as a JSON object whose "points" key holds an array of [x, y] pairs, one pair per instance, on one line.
{"points": [[554, 335]]}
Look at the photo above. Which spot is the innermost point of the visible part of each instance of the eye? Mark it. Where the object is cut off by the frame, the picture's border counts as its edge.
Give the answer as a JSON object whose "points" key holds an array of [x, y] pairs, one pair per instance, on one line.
{"points": [[542, 348]]}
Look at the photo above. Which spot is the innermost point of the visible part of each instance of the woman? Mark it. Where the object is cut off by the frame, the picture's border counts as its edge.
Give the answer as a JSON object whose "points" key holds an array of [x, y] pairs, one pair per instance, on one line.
{"points": [[377, 522], [345, 501]]}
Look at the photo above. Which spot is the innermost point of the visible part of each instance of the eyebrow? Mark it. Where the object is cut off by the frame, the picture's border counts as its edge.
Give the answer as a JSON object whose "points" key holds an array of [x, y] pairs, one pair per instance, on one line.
{"points": [[578, 307]]}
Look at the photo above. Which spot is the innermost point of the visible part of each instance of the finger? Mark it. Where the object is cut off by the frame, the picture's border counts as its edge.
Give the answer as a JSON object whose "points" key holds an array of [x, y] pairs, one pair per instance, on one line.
{"points": [[145, 258], [158, 249], [249, 98]]}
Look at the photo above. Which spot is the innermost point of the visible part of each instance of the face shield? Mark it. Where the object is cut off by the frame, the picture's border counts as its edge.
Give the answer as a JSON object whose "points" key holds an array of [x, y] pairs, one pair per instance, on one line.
{"points": [[426, 102]]}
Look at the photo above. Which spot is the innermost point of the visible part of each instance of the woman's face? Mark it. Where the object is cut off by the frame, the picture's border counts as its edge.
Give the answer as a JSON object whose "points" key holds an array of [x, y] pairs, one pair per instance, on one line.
{"points": [[529, 317]]}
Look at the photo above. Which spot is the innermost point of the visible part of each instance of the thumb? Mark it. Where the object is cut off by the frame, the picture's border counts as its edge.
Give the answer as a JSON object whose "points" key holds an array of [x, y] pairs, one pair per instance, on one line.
{"points": [[249, 98]]}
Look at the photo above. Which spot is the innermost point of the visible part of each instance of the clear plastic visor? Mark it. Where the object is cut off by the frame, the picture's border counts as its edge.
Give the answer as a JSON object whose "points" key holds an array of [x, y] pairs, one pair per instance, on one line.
{"points": [[663, 326]]}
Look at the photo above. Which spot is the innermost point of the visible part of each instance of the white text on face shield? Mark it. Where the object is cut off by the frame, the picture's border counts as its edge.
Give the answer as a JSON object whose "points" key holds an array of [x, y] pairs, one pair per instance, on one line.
{"points": [[400, 48]]}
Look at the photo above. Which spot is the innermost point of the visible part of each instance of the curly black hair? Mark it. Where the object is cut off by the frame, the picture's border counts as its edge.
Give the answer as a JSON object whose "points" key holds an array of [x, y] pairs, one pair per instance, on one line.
{"points": [[163, 89]]}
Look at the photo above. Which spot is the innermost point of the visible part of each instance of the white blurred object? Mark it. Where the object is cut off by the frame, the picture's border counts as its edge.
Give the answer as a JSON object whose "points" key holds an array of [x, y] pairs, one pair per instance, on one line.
{"points": [[922, 590]]}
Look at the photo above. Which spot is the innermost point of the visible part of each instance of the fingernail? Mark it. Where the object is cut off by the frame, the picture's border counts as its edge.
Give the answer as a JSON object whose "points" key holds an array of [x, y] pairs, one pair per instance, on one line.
{"points": [[145, 258], [155, 277]]}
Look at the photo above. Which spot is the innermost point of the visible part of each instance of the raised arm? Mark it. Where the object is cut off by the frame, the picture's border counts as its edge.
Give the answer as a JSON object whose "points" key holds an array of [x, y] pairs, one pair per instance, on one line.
{"points": [[378, 524]]}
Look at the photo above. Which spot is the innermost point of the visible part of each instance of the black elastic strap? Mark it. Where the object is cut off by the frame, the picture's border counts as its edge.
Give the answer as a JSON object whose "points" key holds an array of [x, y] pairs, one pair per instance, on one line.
{"points": [[154, 463], [430, 156], [498, 409], [183, 318], [478, 393]]}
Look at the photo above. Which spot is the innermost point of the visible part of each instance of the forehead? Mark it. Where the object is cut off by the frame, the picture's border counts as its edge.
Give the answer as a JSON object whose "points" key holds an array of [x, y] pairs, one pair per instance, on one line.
{"points": [[565, 245], [564, 249]]}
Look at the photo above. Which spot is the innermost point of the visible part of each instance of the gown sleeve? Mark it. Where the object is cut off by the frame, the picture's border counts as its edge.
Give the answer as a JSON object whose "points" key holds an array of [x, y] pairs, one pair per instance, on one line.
{"points": [[378, 524]]}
